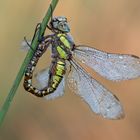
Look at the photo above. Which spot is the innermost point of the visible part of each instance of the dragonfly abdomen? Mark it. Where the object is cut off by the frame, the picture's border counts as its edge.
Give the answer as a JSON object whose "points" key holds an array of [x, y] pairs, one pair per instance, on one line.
{"points": [[56, 74]]}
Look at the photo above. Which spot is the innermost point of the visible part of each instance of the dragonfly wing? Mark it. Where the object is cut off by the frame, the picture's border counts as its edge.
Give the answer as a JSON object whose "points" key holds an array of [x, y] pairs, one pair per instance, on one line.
{"points": [[24, 45], [99, 99], [111, 66], [42, 80]]}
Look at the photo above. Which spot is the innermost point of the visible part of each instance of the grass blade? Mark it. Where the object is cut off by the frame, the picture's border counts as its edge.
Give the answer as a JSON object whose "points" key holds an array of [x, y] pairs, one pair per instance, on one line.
{"points": [[20, 74]]}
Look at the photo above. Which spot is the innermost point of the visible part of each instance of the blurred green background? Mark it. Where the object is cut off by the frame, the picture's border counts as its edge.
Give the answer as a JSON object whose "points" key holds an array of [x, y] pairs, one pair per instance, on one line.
{"points": [[112, 26]]}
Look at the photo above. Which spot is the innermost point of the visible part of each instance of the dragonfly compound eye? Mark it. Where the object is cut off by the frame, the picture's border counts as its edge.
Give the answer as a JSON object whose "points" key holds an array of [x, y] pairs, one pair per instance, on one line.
{"points": [[60, 24]]}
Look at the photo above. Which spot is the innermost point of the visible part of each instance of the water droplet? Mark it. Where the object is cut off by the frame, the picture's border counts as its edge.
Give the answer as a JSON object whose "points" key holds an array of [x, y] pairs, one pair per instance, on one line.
{"points": [[121, 57], [124, 66], [83, 61]]}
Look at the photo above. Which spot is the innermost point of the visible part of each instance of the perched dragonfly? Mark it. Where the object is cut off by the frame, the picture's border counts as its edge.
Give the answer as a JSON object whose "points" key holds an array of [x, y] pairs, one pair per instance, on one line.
{"points": [[65, 53]]}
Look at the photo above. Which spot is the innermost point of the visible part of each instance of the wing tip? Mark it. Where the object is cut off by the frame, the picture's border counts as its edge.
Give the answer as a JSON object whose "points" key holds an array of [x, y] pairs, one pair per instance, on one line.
{"points": [[119, 116]]}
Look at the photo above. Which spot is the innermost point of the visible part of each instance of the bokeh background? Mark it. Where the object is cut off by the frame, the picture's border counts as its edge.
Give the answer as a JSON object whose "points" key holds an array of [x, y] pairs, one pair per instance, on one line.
{"points": [[112, 26]]}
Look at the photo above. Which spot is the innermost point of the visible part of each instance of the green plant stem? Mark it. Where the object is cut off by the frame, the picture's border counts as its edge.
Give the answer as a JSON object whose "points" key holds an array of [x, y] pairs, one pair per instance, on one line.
{"points": [[20, 74]]}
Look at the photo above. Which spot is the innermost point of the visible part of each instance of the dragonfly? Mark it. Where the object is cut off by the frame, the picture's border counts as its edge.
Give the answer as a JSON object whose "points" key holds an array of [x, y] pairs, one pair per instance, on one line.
{"points": [[67, 66]]}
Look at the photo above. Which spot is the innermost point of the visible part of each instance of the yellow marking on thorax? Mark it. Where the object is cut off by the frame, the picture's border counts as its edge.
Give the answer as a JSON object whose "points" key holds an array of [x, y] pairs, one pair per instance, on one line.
{"points": [[64, 40], [61, 51]]}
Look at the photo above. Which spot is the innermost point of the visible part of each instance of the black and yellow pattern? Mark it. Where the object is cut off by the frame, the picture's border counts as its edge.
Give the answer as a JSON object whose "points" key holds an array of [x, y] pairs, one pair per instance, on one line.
{"points": [[57, 70], [61, 51]]}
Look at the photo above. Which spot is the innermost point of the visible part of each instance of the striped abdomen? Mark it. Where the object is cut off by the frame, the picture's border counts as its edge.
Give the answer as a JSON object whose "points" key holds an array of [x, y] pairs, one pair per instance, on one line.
{"points": [[56, 74]]}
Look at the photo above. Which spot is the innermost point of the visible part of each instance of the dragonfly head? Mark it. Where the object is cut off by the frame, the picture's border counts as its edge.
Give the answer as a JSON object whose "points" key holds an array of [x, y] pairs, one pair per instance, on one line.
{"points": [[60, 24]]}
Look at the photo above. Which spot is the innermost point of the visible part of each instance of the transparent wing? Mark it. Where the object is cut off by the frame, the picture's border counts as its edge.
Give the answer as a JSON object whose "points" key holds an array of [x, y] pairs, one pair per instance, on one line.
{"points": [[24, 45], [42, 78], [99, 99], [111, 66]]}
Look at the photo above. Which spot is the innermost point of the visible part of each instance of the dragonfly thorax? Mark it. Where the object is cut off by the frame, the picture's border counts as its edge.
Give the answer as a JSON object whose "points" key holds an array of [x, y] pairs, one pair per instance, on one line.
{"points": [[62, 46]]}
